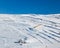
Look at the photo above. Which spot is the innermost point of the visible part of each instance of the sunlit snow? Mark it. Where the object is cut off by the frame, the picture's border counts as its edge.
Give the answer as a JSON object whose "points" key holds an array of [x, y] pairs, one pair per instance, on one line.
{"points": [[29, 31]]}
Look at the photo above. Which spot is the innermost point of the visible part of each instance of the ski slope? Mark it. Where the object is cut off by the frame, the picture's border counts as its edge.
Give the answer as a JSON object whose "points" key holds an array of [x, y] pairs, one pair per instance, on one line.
{"points": [[29, 31]]}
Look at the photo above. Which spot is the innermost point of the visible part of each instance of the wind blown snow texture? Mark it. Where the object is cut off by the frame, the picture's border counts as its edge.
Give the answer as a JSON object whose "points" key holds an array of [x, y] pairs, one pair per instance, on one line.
{"points": [[29, 31]]}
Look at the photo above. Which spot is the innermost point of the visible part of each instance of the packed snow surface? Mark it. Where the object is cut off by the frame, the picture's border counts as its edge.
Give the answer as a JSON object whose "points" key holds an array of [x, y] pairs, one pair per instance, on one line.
{"points": [[29, 31]]}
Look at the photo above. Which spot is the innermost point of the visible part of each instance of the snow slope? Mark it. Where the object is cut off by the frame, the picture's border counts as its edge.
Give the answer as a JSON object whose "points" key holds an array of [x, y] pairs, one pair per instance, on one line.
{"points": [[29, 31]]}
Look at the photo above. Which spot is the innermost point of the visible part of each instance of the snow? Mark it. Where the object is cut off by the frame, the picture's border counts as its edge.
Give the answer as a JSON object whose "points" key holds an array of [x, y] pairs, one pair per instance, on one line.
{"points": [[29, 31]]}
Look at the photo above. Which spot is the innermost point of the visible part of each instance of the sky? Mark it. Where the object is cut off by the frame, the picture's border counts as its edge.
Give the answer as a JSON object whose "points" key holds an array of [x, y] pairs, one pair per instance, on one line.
{"points": [[29, 6]]}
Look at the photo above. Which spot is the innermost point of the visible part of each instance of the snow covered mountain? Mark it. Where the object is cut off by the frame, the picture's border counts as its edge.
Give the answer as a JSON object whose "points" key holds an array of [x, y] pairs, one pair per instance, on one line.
{"points": [[29, 31]]}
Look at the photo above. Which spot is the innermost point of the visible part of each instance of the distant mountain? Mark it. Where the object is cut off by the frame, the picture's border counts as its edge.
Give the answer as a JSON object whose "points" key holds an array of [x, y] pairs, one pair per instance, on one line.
{"points": [[29, 31]]}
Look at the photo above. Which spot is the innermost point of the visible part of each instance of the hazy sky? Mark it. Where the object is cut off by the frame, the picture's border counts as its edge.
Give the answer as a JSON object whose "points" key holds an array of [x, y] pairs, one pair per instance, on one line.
{"points": [[29, 6]]}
